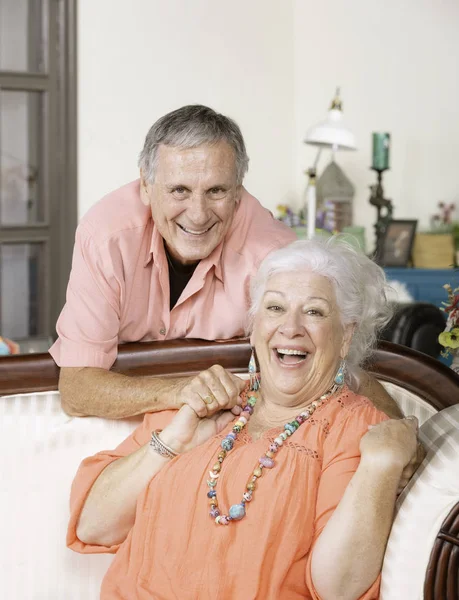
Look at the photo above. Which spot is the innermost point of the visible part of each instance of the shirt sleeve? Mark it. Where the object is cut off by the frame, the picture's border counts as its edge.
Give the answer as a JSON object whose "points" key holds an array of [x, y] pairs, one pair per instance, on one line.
{"points": [[340, 462], [92, 467], [88, 326]]}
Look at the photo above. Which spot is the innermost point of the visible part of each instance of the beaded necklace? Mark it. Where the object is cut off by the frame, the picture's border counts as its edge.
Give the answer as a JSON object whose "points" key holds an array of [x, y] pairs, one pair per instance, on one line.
{"points": [[238, 511]]}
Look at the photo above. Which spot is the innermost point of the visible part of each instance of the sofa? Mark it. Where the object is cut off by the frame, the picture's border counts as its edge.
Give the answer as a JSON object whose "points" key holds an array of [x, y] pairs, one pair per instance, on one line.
{"points": [[41, 448]]}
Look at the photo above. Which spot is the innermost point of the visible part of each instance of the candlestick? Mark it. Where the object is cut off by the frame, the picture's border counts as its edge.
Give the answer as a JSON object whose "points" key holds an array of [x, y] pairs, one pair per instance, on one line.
{"points": [[381, 147]]}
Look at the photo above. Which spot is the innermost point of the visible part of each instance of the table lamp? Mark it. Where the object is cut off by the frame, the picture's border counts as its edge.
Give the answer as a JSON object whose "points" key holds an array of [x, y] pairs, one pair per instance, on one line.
{"points": [[330, 134]]}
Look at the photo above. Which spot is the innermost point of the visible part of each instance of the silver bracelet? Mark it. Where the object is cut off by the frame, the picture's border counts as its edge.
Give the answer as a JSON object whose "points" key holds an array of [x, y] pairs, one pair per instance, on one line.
{"points": [[160, 447]]}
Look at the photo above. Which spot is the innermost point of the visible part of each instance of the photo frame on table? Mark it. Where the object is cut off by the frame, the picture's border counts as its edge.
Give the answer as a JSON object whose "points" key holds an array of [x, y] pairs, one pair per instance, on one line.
{"points": [[397, 243]]}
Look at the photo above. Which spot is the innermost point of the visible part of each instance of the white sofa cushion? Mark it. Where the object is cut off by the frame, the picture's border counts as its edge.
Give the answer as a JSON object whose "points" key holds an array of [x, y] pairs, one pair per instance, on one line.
{"points": [[41, 448], [422, 508], [409, 402]]}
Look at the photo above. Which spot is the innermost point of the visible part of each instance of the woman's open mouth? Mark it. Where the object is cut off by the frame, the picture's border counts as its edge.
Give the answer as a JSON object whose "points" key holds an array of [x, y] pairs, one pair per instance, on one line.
{"points": [[289, 356]]}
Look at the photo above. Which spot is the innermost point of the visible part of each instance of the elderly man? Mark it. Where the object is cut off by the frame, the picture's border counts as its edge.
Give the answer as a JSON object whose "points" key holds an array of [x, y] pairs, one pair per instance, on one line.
{"points": [[167, 256]]}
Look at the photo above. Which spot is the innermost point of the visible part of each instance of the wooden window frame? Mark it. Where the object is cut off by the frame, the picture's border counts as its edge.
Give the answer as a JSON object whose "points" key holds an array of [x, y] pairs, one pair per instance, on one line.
{"points": [[59, 82]]}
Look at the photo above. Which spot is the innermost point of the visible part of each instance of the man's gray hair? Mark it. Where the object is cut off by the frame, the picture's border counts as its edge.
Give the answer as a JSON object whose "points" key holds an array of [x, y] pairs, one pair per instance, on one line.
{"points": [[189, 127], [359, 284]]}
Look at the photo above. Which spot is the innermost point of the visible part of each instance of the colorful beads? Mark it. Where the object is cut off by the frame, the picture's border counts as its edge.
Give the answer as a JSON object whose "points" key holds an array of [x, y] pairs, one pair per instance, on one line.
{"points": [[251, 401], [227, 443], [237, 512]]}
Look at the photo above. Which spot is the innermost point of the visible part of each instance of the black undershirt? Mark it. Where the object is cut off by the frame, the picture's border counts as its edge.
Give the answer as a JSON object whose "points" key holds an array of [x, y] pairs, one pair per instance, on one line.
{"points": [[179, 276]]}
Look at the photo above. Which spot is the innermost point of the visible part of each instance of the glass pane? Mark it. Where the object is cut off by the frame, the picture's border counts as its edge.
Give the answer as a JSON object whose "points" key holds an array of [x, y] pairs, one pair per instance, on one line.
{"points": [[21, 157], [22, 36], [22, 285]]}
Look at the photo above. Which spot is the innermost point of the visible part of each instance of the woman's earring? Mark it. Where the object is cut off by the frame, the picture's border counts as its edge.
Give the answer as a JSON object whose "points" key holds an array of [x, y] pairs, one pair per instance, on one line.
{"points": [[254, 375], [339, 377]]}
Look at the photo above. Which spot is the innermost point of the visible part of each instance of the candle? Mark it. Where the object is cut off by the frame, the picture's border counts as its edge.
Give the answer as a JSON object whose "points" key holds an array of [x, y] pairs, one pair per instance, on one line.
{"points": [[311, 206], [381, 147]]}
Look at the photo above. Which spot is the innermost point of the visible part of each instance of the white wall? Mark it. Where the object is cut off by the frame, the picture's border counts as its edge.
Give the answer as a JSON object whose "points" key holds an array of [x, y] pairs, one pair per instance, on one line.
{"points": [[143, 58], [398, 65], [273, 66]]}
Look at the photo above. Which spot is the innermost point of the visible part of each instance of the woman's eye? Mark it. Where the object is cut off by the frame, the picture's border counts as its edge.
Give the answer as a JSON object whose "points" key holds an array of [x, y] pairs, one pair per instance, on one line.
{"points": [[274, 308], [314, 312]]}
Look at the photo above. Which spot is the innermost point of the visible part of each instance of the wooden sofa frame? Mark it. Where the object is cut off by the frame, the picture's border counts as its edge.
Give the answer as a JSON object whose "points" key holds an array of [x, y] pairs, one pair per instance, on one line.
{"points": [[424, 376]]}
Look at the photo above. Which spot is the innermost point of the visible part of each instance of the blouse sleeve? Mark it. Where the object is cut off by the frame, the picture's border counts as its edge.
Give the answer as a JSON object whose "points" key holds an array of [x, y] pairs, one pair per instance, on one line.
{"points": [[92, 467], [341, 456]]}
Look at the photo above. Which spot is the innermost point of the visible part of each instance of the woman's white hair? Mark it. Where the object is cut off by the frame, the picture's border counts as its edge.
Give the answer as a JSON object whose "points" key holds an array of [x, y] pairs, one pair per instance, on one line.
{"points": [[359, 284]]}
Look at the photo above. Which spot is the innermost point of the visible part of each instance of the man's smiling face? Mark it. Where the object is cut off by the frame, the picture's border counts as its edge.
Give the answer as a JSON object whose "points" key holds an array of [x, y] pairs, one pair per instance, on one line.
{"points": [[193, 198]]}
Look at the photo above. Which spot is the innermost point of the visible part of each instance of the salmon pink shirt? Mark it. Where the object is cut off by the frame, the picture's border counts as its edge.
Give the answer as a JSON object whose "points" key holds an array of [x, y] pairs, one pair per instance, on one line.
{"points": [[119, 284]]}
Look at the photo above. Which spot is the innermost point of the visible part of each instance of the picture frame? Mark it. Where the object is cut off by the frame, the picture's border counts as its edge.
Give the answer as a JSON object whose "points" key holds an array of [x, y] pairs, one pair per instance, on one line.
{"points": [[397, 243]]}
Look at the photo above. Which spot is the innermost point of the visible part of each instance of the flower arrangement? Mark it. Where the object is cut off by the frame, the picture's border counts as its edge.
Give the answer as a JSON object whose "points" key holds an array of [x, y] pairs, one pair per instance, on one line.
{"points": [[449, 338]]}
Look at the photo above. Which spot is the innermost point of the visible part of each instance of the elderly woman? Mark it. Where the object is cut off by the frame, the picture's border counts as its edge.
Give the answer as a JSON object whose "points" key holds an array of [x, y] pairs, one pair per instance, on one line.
{"points": [[294, 497]]}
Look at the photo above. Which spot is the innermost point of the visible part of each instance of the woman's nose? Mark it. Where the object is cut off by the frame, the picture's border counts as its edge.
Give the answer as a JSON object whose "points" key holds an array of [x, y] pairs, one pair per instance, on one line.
{"points": [[292, 326]]}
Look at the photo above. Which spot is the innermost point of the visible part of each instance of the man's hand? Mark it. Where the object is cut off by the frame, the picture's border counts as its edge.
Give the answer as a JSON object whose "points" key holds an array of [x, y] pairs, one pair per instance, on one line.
{"points": [[210, 391]]}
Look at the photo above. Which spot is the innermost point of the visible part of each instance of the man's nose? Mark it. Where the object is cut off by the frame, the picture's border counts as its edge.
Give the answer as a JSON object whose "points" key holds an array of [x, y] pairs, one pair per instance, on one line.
{"points": [[198, 211]]}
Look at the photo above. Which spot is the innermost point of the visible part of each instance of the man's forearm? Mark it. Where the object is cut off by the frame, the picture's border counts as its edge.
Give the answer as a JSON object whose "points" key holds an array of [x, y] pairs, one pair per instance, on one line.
{"points": [[348, 555], [374, 391], [96, 392]]}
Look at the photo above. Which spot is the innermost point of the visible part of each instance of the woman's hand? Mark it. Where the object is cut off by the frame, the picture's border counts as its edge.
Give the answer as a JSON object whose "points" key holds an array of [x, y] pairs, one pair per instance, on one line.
{"points": [[212, 390], [187, 430], [392, 444]]}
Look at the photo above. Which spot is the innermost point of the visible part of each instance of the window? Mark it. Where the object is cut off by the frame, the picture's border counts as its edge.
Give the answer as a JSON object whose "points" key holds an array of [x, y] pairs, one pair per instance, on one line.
{"points": [[38, 203]]}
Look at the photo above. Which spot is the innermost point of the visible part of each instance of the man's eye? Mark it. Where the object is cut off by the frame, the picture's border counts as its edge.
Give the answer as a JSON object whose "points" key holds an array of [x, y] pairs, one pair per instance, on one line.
{"points": [[179, 190], [217, 192]]}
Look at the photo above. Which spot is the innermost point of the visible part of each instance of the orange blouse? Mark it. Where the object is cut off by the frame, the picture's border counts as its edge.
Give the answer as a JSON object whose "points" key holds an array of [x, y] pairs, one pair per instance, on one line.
{"points": [[176, 551]]}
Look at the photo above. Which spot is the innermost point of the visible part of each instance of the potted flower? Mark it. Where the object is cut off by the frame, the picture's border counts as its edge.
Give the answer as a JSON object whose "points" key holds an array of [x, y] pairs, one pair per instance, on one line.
{"points": [[449, 338]]}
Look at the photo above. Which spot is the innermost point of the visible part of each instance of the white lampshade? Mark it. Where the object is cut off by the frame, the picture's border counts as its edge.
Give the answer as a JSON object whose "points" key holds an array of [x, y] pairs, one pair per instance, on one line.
{"points": [[332, 133]]}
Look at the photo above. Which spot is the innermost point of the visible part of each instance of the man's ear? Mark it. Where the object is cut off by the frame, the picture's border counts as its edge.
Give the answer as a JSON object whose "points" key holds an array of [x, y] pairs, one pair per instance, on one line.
{"points": [[144, 189], [347, 339], [238, 193]]}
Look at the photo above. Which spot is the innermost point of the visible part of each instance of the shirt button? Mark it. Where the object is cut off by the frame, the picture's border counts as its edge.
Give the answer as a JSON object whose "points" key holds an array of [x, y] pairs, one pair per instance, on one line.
{"points": [[162, 331]]}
